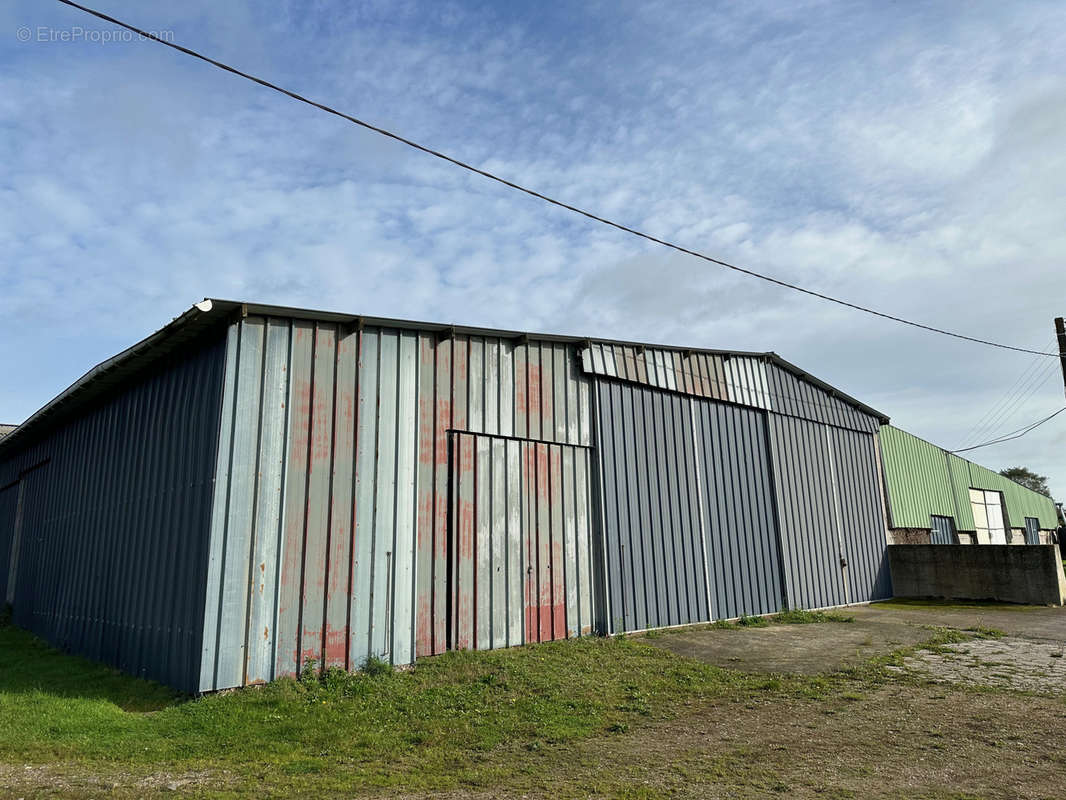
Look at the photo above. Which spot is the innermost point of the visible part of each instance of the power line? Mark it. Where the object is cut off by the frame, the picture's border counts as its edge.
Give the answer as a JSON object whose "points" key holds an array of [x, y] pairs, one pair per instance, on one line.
{"points": [[1031, 388], [533, 193], [1018, 434], [974, 433]]}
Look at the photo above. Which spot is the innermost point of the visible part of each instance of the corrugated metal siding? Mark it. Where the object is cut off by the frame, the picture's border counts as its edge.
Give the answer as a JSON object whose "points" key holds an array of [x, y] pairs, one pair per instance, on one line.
{"points": [[943, 530], [811, 532], [333, 543], [8, 508], [522, 545], [743, 380], [655, 556], [917, 479], [924, 480], [738, 510], [796, 397], [115, 520], [855, 468], [828, 508]]}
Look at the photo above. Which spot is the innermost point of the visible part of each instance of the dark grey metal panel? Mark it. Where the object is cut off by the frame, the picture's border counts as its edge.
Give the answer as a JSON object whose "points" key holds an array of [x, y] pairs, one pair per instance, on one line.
{"points": [[738, 509], [943, 530], [855, 470], [655, 558], [830, 513], [8, 506], [811, 535], [115, 513], [1032, 530]]}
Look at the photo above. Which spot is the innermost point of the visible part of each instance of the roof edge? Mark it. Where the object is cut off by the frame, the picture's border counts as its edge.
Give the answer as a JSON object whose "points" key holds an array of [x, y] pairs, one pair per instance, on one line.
{"points": [[57, 404], [215, 310]]}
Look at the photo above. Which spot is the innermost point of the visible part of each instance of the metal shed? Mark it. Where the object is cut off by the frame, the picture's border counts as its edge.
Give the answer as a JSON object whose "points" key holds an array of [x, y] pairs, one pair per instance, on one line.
{"points": [[254, 487]]}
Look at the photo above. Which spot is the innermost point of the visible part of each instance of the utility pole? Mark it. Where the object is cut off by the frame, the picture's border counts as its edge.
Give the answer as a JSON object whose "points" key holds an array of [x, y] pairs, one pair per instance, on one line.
{"points": [[1060, 333]]}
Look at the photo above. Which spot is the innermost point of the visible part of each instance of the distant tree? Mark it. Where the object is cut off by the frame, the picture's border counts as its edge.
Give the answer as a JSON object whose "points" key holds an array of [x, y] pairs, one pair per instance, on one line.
{"points": [[1028, 479]]}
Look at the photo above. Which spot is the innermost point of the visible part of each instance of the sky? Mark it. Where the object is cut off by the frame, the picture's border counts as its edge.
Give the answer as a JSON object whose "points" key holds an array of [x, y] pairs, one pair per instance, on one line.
{"points": [[906, 156]]}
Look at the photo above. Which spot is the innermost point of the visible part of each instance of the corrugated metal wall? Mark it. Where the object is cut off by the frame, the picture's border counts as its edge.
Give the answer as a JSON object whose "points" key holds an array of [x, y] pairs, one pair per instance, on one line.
{"points": [[330, 540], [828, 509], [811, 532], [656, 559], [924, 480], [917, 479], [114, 522], [523, 546], [744, 380], [8, 511], [739, 518], [855, 470]]}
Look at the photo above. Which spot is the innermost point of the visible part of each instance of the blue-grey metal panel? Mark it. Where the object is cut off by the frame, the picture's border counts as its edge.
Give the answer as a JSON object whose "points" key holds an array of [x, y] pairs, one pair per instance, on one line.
{"points": [[738, 502], [810, 525], [856, 470], [115, 519], [830, 513], [942, 530], [655, 560]]}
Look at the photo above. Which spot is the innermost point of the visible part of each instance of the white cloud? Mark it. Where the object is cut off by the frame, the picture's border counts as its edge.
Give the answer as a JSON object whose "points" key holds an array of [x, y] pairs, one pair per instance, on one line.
{"points": [[908, 159]]}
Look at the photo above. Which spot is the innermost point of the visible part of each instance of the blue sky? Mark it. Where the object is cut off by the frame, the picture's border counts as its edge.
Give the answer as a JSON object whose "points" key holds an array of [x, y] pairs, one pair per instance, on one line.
{"points": [[906, 156]]}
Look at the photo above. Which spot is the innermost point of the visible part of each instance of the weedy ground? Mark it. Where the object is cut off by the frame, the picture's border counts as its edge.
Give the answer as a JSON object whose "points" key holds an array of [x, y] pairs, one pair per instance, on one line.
{"points": [[593, 717]]}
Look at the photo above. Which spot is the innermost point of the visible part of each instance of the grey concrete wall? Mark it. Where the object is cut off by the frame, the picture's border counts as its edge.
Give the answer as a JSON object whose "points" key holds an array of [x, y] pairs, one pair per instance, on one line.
{"points": [[1010, 574]]}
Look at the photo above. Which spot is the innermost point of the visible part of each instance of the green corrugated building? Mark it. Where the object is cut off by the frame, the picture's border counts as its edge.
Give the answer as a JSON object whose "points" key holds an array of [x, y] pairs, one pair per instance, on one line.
{"points": [[936, 496]]}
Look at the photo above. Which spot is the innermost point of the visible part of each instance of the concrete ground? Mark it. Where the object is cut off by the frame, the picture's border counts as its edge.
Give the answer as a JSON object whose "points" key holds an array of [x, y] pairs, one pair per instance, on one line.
{"points": [[880, 629]]}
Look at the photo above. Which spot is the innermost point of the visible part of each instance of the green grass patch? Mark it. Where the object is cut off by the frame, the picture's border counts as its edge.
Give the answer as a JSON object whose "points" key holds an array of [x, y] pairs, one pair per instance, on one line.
{"points": [[799, 616], [452, 721]]}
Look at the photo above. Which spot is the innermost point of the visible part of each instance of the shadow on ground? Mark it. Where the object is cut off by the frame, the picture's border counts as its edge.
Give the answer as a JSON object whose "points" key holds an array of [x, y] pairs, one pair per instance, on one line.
{"points": [[30, 666]]}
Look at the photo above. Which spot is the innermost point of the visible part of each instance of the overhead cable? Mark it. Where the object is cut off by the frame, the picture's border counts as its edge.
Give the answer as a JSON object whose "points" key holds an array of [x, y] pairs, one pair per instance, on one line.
{"points": [[533, 193]]}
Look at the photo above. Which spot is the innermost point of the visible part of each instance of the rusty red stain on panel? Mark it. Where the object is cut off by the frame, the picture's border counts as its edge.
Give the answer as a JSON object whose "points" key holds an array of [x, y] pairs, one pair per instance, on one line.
{"points": [[460, 390], [427, 438], [529, 472], [336, 647], [558, 565], [341, 502], [534, 421], [317, 529], [437, 618], [544, 536], [287, 638]]}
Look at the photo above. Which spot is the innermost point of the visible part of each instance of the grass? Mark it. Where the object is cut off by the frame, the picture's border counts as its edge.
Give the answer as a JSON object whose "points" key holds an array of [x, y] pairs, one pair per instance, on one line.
{"points": [[799, 616], [508, 721], [796, 616], [451, 721]]}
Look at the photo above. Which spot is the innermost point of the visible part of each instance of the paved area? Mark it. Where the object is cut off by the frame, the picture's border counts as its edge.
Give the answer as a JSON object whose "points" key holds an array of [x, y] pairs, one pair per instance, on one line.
{"points": [[1026, 664], [876, 630]]}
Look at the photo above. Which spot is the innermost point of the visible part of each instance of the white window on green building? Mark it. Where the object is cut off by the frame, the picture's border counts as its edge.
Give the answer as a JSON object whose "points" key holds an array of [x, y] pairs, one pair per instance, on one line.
{"points": [[988, 516]]}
